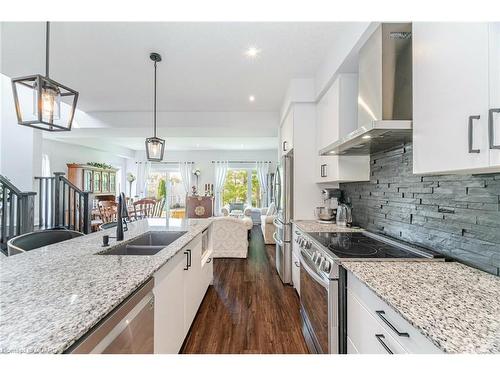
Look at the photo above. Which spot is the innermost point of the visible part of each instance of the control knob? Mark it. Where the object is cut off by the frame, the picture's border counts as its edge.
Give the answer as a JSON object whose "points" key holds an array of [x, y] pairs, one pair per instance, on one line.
{"points": [[327, 267]]}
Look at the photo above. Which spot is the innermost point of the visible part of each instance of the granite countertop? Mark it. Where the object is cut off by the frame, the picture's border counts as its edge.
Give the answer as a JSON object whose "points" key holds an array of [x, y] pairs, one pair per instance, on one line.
{"points": [[457, 307], [53, 295], [314, 226]]}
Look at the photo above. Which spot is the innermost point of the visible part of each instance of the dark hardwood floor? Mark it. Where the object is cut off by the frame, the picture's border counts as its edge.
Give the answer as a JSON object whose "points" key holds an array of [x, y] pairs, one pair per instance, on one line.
{"points": [[248, 309]]}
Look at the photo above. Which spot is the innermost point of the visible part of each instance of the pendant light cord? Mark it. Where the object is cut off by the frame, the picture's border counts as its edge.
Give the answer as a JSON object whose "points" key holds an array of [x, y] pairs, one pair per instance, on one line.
{"points": [[154, 105], [47, 46]]}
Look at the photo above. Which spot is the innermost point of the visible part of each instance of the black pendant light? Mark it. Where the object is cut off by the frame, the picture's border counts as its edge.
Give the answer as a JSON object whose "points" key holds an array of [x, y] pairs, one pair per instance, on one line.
{"points": [[44, 111], [155, 147]]}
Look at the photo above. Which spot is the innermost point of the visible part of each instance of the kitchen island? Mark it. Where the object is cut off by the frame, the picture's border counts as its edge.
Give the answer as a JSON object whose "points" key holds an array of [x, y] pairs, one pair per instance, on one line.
{"points": [[54, 295]]}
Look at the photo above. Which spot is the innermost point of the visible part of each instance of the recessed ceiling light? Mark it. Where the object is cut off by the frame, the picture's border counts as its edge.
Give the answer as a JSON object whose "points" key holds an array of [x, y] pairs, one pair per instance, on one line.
{"points": [[251, 98], [252, 52], [366, 136]]}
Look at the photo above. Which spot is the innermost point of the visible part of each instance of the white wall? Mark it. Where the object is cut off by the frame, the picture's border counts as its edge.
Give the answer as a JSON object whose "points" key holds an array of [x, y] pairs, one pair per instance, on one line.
{"points": [[61, 153], [19, 145], [203, 161]]}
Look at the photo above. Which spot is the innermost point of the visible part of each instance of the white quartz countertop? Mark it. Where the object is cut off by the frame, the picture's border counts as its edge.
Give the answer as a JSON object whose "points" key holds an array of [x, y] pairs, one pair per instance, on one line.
{"points": [[52, 296], [457, 307]]}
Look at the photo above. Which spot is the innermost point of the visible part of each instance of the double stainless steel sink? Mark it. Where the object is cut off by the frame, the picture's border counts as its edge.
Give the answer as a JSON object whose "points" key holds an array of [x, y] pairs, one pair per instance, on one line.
{"points": [[149, 243]]}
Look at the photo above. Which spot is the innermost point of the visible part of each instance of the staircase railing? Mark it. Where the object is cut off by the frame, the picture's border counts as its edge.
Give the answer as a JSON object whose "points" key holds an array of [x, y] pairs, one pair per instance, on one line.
{"points": [[63, 204], [16, 211]]}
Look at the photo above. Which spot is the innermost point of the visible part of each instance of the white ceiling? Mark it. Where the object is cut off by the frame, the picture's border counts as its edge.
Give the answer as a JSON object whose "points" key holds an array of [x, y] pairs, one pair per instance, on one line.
{"points": [[204, 80], [204, 67]]}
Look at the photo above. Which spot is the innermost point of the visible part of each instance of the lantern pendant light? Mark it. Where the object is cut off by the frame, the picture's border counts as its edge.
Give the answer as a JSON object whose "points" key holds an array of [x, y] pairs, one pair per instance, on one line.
{"points": [[155, 147], [44, 111]]}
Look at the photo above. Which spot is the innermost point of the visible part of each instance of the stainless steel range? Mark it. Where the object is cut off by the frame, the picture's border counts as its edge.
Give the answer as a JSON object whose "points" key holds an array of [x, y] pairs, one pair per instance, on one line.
{"points": [[323, 280]]}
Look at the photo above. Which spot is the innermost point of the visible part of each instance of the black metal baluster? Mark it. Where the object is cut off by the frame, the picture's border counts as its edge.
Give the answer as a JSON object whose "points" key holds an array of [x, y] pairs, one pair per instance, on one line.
{"points": [[40, 212], [4, 216], [11, 215], [18, 216], [74, 210]]}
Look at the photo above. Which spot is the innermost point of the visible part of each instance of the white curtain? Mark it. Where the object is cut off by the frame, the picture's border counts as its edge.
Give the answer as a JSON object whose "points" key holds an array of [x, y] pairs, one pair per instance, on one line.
{"points": [[262, 170], [186, 169], [220, 177], [143, 169]]}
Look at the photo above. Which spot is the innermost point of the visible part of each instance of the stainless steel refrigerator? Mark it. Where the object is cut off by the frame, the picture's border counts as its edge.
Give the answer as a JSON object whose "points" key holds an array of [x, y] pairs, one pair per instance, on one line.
{"points": [[283, 185]]}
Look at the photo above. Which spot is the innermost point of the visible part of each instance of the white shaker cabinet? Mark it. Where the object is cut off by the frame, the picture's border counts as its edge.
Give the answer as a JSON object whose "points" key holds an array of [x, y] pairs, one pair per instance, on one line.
{"points": [[451, 97], [336, 116], [169, 306], [494, 92], [194, 288], [287, 133], [180, 286]]}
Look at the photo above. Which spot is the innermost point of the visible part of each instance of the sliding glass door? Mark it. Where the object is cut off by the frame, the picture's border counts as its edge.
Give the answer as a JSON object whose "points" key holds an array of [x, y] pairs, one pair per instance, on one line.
{"points": [[164, 183]]}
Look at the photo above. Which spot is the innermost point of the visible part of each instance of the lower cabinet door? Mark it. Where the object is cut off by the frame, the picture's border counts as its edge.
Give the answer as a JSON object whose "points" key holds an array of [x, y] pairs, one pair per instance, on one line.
{"points": [[193, 285], [169, 306]]}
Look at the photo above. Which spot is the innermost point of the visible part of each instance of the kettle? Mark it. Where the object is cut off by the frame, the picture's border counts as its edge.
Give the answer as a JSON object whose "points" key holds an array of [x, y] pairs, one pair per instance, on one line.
{"points": [[344, 215]]}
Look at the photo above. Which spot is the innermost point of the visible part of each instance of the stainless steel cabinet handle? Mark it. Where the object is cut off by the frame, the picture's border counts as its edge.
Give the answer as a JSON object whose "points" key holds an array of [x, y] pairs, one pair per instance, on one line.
{"points": [[189, 257], [471, 134], [284, 145], [323, 170], [491, 127], [187, 261], [381, 314], [380, 339]]}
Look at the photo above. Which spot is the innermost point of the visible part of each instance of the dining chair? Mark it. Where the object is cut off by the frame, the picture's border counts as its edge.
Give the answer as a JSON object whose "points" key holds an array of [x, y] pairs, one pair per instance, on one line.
{"points": [[108, 211], [144, 208]]}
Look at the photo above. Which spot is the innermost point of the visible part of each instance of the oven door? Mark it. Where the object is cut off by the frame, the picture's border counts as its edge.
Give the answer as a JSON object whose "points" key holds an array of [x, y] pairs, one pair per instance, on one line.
{"points": [[314, 301]]}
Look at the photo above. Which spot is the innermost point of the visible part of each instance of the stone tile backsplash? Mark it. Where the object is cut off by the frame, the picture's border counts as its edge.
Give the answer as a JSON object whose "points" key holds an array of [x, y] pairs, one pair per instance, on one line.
{"points": [[457, 215]]}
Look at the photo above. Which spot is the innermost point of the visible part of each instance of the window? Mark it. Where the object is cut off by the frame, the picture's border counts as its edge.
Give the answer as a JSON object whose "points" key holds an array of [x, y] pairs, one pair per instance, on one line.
{"points": [[255, 190], [239, 189]]}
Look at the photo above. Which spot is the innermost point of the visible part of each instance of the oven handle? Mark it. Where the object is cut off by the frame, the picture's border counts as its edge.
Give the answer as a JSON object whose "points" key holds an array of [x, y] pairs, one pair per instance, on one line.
{"points": [[277, 223], [312, 273], [278, 241]]}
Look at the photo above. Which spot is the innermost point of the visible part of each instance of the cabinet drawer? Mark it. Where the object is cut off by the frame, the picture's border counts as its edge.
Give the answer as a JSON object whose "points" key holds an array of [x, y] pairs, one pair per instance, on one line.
{"points": [[366, 334], [409, 337]]}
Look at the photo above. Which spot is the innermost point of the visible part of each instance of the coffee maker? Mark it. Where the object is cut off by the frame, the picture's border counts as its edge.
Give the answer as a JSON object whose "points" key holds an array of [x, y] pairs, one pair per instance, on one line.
{"points": [[328, 213]]}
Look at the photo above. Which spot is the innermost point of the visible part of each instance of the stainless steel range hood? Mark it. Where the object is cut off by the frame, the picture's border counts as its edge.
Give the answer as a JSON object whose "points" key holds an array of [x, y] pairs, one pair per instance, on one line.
{"points": [[384, 94]]}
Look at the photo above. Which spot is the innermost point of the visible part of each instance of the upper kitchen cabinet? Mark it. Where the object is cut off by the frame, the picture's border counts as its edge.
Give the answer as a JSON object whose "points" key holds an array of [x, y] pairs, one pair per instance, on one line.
{"points": [[336, 116], [456, 97], [494, 92], [287, 133], [336, 112]]}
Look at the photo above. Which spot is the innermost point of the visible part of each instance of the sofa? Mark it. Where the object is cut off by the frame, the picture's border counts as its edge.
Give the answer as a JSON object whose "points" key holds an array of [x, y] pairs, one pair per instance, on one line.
{"points": [[230, 237], [267, 224], [239, 207]]}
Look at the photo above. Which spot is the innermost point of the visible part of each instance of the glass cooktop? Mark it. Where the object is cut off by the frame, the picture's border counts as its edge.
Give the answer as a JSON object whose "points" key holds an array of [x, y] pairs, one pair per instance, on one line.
{"points": [[360, 245]]}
